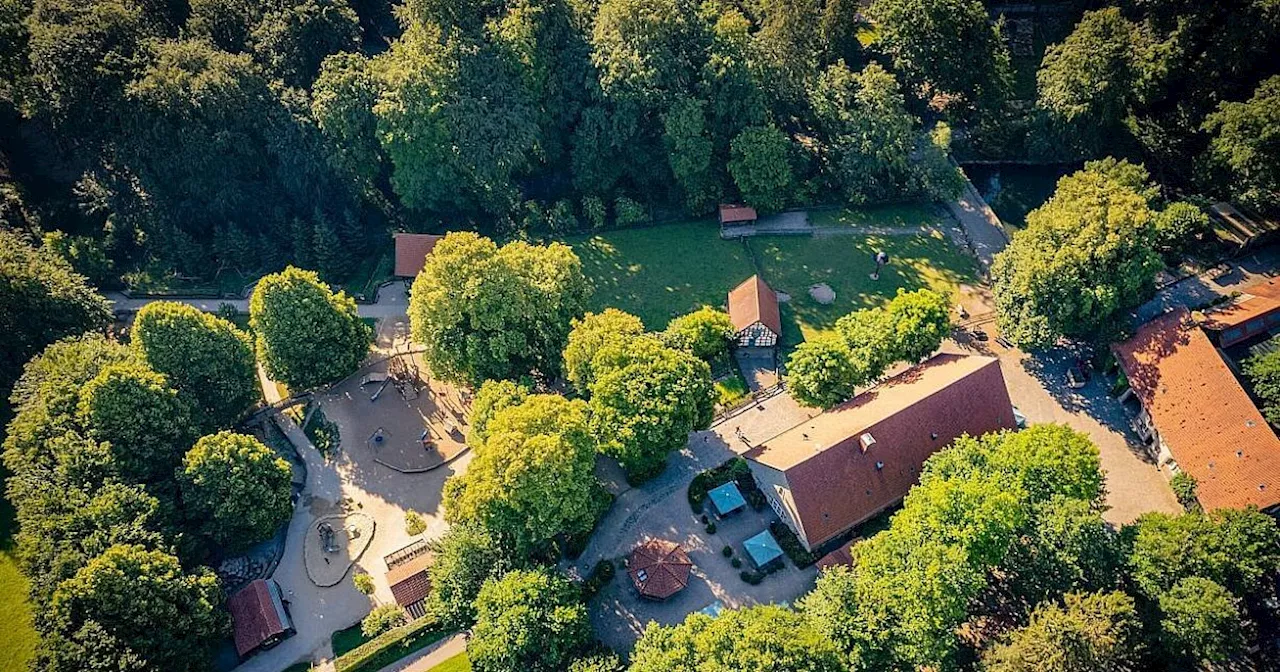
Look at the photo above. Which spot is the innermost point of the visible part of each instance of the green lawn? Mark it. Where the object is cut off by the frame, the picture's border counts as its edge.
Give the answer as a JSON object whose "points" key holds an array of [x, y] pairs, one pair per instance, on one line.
{"points": [[347, 639], [16, 631], [458, 663], [731, 389], [905, 214], [659, 272], [845, 263], [663, 271]]}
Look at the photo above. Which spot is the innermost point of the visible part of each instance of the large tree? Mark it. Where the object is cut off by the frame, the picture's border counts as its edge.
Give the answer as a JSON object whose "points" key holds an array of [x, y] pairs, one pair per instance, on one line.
{"points": [[466, 557], [1085, 256], [1246, 142], [528, 621], [760, 163], [146, 423], [235, 489], [205, 357], [754, 638], [823, 372], [1086, 83], [307, 335], [588, 336], [1097, 632], [705, 332], [486, 312], [41, 300], [645, 400], [1264, 372], [135, 609], [532, 479], [1201, 622], [947, 46], [1233, 547]]}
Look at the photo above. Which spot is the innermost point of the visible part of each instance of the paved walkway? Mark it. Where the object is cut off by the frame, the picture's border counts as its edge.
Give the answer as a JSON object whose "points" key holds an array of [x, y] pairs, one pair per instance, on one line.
{"points": [[392, 301], [1198, 290], [986, 235], [433, 655]]}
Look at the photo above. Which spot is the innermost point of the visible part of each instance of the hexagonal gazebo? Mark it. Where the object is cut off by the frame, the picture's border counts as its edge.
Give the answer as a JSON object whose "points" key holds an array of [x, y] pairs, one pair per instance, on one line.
{"points": [[659, 569]]}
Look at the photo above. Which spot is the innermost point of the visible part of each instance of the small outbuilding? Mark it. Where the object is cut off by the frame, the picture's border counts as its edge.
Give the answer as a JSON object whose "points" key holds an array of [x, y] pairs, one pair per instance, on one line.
{"points": [[763, 549], [411, 252], [407, 574], [659, 569], [753, 310], [736, 214], [259, 617], [726, 499]]}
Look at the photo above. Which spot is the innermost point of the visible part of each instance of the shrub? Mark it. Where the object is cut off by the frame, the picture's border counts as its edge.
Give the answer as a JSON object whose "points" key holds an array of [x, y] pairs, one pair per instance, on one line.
{"points": [[1184, 487], [711, 528], [382, 619], [704, 519], [627, 212], [791, 545], [414, 523], [726, 551], [601, 574], [363, 583], [324, 434], [736, 562], [736, 470], [593, 211], [389, 647], [751, 577]]}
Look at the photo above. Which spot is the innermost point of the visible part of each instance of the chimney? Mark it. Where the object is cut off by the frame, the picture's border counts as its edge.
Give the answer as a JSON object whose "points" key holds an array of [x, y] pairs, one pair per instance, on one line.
{"points": [[866, 441]]}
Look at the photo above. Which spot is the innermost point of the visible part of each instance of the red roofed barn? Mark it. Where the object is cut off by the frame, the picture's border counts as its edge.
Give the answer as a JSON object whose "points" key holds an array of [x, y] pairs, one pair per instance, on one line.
{"points": [[844, 466], [1197, 417], [411, 252], [753, 309], [259, 617]]}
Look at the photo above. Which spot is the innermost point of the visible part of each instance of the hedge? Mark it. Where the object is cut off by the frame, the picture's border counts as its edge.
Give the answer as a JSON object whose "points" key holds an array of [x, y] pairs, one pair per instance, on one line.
{"points": [[791, 545], [390, 646], [735, 470]]}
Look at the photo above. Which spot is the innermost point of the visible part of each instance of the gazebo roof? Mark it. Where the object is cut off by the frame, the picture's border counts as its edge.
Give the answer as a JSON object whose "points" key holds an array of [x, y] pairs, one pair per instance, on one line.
{"points": [[659, 569], [727, 498], [763, 548]]}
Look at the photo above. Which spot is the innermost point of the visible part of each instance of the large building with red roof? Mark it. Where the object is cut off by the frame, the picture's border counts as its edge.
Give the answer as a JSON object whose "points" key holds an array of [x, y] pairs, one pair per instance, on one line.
{"points": [[1195, 414], [842, 467]]}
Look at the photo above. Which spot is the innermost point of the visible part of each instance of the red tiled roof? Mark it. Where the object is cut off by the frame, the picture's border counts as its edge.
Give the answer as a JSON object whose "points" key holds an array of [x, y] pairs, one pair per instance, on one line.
{"points": [[410, 581], [411, 252], [254, 616], [731, 214], [753, 301], [842, 556], [659, 569], [1255, 301], [1202, 414], [835, 483]]}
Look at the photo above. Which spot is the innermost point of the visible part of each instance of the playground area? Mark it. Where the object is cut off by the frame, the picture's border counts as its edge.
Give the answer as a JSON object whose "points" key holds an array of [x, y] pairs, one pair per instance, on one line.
{"points": [[398, 416]]}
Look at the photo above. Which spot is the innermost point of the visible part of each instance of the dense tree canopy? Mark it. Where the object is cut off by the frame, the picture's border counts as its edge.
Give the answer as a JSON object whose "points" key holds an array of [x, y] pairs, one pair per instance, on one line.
{"points": [[705, 332], [1098, 631], [146, 423], [911, 586], [589, 336], [484, 312], [41, 300], [307, 335], [236, 489], [1085, 256], [1246, 142], [205, 357], [948, 46], [825, 371], [529, 621], [466, 557], [532, 479], [1264, 372], [645, 399], [1200, 621], [132, 608], [756, 638]]}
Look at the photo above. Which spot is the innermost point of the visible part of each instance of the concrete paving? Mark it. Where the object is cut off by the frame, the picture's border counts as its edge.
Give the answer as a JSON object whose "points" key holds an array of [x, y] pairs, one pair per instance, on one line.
{"points": [[983, 232], [433, 655], [392, 301]]}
